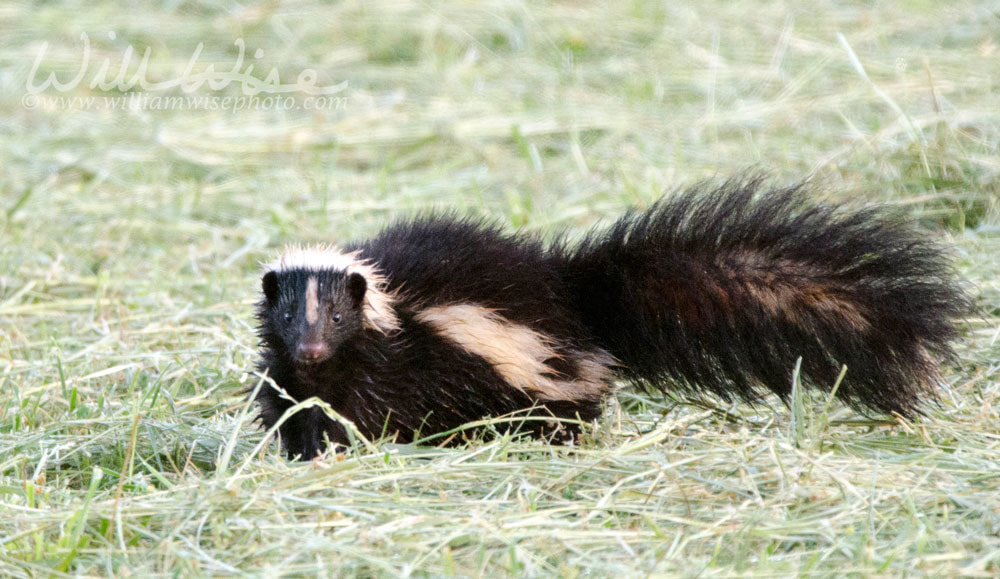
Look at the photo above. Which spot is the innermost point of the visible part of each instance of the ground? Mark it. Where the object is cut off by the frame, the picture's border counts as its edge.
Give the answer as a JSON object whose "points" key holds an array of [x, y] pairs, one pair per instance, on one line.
{"points": [[131, 226]]}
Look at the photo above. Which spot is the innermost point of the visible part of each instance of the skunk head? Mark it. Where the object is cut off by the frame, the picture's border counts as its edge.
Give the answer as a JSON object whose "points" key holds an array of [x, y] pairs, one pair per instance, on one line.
{"points": [[312, 313], [317, 299]]}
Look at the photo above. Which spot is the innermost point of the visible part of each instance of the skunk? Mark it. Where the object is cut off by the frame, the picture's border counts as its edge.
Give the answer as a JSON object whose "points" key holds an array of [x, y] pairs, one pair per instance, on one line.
{"points": [[440, 321]]}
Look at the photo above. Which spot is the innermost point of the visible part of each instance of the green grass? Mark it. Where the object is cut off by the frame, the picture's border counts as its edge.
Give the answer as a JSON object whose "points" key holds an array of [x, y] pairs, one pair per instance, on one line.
{"points": [[129, 243]]}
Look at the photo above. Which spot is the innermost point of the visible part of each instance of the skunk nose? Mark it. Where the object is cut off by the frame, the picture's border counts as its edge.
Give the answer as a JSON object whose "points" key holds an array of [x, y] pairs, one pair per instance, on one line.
{"points": [[312, 351]]}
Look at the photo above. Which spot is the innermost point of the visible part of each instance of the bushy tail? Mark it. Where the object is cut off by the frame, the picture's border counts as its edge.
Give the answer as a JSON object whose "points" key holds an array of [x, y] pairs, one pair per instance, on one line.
{"points": [[722, 290]]}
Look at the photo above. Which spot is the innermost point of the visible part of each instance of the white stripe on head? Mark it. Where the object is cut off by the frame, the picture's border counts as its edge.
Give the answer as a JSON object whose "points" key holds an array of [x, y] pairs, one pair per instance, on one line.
{"points": [[312, 301], [313, 258], [379, 302]]}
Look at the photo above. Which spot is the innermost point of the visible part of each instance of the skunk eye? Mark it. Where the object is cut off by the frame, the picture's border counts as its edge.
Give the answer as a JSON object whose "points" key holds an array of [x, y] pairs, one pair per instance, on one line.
{"points": [[336, 318], [288, 316]]}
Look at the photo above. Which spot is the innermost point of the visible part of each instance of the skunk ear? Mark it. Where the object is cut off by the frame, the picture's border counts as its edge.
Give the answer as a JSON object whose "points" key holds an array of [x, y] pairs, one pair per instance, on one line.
{"points": [[356, 286], [270, 284]]}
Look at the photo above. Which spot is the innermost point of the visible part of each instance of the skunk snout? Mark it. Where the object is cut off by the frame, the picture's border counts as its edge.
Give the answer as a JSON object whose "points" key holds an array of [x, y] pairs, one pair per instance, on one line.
{"points": [[312, 352]]}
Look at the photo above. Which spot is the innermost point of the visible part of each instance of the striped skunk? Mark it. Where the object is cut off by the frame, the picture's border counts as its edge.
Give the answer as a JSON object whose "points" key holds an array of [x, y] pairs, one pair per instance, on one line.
{"points": [[441, 321]]}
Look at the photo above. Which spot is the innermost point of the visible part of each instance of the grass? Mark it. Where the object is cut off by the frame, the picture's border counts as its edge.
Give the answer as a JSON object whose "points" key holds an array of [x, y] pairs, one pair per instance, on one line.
{"points": [[129, 243]]}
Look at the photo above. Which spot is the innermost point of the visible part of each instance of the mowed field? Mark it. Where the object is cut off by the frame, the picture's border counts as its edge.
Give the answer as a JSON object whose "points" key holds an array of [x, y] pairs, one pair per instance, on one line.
{"points": [[133, 216]]}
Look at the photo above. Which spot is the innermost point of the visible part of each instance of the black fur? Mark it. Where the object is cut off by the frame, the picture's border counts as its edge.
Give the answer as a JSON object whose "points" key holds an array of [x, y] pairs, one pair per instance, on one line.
{"points": [[708, 291], [674, 293]]}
